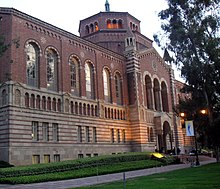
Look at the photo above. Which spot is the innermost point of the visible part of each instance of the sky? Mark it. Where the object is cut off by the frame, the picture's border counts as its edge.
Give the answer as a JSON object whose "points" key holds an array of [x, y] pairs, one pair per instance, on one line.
{"points": [[66, 14]]}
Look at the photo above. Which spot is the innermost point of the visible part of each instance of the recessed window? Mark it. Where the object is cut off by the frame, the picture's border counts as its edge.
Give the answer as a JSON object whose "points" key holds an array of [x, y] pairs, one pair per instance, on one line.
{"points": [[32, 64], [52, 61]]}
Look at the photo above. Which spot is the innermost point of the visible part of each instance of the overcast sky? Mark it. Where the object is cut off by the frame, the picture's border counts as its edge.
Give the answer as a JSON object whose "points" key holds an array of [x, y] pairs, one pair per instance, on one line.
{"points": [[66, 14]]}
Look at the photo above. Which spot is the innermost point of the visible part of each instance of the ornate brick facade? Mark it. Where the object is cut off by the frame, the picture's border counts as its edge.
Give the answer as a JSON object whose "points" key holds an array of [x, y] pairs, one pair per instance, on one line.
{"points": [[64, 97]]}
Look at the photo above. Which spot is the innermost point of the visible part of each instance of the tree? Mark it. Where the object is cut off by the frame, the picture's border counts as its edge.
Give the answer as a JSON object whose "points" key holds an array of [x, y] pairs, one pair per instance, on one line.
{"points": [[192, 30]]}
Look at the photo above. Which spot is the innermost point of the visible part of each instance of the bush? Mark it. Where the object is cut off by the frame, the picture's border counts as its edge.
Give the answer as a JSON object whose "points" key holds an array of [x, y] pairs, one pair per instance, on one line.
{"points": [[4, 164], [80, 168]]}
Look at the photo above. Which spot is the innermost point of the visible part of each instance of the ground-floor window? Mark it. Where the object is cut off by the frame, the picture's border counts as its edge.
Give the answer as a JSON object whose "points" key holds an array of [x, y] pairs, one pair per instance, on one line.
{"points": [[35, 159], [46, 158], [56, 157]]}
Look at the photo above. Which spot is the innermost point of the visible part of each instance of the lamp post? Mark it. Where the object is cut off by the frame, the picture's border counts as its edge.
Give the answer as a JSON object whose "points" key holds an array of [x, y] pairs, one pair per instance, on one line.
{"points": [[191, 131]]}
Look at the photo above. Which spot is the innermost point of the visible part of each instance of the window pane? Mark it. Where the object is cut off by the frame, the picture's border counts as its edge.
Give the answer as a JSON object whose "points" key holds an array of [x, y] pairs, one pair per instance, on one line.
{"points": [[32, 65], [55, 131], [35, 131]]}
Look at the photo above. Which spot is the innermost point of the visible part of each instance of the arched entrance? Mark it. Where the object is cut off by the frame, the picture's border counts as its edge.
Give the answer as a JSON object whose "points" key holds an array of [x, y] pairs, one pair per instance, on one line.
{"points": [[167, 137]]}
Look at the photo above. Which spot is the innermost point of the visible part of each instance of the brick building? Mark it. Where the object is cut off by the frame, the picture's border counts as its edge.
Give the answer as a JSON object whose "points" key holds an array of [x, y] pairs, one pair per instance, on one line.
{"points": [[63, 96]]}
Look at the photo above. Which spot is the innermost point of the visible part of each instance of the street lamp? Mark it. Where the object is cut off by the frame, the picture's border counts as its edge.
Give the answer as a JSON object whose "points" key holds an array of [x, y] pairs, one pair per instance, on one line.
{"points": [[191, 131]]}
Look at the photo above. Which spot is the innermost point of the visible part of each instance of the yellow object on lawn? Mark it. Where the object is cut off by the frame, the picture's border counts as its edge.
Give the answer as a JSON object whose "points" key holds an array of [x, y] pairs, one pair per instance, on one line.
{"points": [[157, 155]]}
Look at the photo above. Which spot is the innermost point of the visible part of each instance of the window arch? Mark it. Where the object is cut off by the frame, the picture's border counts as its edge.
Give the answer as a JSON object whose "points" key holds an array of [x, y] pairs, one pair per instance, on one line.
{"points": [[91, 28], [89, 77], [106, 85], [120, 26], [52, 61], [114, 24], [74, 76], [4, 97], [164, 96], [18, 97], [109, 24], [32, 64], [157, 95], [149, 96], [118, 89], [87, 29], [96, 26]]}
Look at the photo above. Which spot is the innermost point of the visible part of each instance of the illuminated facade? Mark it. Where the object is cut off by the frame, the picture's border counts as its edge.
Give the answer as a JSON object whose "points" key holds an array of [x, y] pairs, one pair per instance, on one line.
{"points": [[64, 97]]}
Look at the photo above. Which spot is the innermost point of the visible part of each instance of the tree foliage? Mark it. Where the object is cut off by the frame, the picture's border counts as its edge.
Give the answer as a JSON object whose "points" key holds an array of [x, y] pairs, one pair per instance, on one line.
{"points": [[192, 30]]}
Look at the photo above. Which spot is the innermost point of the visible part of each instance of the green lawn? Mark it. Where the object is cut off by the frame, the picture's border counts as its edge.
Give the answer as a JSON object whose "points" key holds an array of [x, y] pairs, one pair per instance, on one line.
{"points": [[203, 177]]}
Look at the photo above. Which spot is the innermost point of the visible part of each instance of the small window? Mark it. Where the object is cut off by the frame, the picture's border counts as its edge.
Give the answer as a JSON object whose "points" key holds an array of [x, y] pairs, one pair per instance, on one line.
{"points": [[80, 156], [47, 158], [56, 157], [35, 159]]}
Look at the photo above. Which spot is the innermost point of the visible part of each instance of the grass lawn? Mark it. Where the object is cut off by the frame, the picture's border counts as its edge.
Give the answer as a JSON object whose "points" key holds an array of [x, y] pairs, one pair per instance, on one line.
{"points": [[203, 177]]}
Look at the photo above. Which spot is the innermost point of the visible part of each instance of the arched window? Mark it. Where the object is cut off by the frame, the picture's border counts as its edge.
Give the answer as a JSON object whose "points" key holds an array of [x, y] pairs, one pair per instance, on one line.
{"points": [[118, 89], [87, 29], [52, 60], [157, 95], [109, 24], [32, 64], [26, 98], [91, 28], [54, 104], [32, 101], [164, 97], [4, 97], [48, 103], [106, 85], [74, 76], [120, 24], [114, 23], [44, 103], [38, 102], [17, 97], [149, 96], [89, 81], [96, 26]]}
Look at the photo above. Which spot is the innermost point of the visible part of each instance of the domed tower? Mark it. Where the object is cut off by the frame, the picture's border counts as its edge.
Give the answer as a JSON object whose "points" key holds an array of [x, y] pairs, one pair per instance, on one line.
{"points": [[109, 29]]}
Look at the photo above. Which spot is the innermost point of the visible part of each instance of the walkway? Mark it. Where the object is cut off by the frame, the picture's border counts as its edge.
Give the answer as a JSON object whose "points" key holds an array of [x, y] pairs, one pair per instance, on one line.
{"points": [[73, 183]]}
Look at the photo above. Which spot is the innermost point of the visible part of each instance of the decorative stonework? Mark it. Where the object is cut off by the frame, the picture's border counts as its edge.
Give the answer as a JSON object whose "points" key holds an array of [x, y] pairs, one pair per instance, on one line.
{"points": [[154, 65], [43, 40]]}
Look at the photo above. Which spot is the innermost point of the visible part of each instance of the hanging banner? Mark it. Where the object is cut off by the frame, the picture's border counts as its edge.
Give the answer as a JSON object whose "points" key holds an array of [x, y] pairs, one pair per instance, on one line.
{"points": [[189, 128]]}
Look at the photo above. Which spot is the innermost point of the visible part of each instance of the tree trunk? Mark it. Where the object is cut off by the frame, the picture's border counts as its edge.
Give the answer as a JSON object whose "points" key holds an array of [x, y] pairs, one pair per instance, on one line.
{"points": [[217, 154]]}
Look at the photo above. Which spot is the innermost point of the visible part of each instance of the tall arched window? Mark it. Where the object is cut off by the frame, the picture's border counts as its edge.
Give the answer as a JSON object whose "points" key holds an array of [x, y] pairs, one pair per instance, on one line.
{"points": [[149, 96], [157, 95], [4, 97], [114, 24], [89, 80], [32, 64], [74, 76], [164, 97], [109, 24], [52, 61], [96, 26], [17, 97], [106, 85], [120, 26], [118, 89]]}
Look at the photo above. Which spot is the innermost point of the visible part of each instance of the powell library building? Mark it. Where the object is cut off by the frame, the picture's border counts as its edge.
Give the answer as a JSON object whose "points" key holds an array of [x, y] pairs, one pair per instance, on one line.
{"points": [[64, 96]]}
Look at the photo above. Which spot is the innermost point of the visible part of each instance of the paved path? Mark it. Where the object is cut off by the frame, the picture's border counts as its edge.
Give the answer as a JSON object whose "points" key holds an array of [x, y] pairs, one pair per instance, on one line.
{"points": [[74, 183]]}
